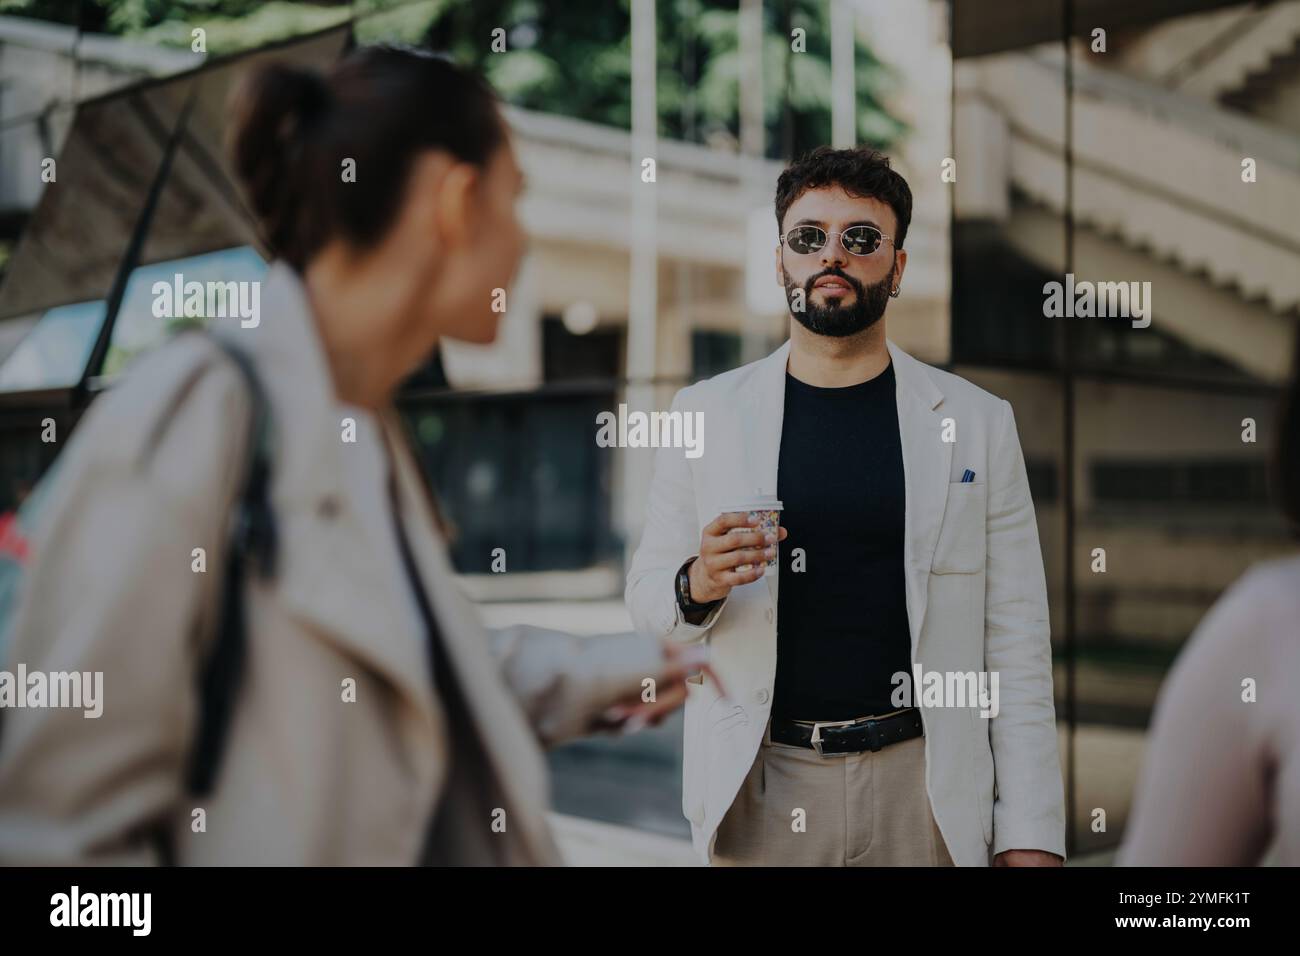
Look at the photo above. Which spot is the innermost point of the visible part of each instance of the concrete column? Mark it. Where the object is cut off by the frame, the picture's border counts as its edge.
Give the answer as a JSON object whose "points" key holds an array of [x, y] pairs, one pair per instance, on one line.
{"points": [[752, 146], [844, 126], [643, 291]]}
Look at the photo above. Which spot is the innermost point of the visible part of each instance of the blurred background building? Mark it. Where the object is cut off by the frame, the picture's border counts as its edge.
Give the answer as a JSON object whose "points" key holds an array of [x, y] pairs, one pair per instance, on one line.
{"points": [[1034, 145]]}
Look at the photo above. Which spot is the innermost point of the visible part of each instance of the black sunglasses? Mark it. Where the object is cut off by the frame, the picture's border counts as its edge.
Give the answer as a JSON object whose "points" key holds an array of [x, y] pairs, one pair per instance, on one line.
{"points": [[856, 240]]}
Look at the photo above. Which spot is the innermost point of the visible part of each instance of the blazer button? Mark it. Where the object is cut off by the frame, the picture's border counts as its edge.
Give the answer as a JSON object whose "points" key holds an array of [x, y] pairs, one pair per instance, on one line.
{"points": [[761, 695], [328, 507]]}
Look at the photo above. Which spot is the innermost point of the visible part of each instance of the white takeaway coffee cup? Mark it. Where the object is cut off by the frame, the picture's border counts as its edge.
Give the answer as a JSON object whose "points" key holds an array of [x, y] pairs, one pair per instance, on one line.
{"points": [[767, 509]]}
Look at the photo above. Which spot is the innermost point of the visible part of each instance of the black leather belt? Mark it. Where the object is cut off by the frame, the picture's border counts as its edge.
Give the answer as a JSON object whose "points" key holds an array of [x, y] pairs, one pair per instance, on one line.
{"points": [[849, 736]]}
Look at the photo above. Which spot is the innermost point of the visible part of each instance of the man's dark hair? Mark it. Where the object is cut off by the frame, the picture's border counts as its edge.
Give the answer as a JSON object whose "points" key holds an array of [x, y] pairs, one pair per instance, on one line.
{"points": [[859, 172]]}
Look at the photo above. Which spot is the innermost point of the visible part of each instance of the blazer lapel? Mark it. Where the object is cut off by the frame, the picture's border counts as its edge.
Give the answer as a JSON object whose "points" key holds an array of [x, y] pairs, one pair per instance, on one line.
{"points": [[926, 460], [927, 464], [763, 434]]}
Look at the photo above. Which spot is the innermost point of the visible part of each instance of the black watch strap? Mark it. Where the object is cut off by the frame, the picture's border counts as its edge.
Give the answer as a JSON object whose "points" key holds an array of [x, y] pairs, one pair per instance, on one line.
{"points": [[684, 591]]}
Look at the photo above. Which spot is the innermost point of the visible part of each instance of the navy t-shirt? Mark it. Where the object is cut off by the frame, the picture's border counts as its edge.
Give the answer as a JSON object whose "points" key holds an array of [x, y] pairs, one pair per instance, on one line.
{"points": [[842, 628]]}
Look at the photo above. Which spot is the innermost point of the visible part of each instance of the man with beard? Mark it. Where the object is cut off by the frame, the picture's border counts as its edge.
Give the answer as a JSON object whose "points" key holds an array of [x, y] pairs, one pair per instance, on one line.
{"points": [[908, 545]]}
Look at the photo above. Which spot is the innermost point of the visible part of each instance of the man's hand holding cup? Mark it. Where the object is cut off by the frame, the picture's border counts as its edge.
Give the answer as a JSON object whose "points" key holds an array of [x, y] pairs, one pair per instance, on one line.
{"points": [[737, 547]]}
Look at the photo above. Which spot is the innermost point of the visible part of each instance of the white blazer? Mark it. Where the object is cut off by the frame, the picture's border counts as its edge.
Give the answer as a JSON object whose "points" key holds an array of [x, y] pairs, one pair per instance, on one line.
{"points": [[976, 601]]}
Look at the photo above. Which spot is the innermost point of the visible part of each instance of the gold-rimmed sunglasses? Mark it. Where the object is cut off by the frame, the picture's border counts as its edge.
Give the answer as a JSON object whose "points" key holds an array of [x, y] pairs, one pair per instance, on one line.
{"points": [[856, 240]]}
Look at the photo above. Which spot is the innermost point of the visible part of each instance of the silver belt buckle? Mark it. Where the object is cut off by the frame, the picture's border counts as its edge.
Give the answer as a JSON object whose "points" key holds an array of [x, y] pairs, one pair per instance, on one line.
{"points": [[816, 740]]}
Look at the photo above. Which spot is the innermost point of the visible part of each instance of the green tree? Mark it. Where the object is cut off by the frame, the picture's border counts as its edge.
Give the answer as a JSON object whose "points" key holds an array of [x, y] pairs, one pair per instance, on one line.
{"points": [[563, 56], [574, 57], [230, 25]]}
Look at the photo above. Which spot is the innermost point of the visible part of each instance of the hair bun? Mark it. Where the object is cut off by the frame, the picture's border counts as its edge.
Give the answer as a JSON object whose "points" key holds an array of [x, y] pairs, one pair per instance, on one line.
{"points": [[293, 129], [276, 109]]}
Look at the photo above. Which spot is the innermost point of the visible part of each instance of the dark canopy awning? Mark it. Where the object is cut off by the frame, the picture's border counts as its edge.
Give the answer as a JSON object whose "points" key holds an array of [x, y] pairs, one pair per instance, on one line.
{"points": [[980, 27], [75, 243]]}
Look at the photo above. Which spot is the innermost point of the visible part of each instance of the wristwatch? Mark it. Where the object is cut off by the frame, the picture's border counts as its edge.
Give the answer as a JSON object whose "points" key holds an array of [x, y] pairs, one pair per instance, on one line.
{"points": [[684, 591]]}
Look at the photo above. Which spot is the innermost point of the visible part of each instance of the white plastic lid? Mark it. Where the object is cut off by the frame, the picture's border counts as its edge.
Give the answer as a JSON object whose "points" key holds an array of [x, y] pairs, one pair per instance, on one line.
{"points": [[762, 503]]}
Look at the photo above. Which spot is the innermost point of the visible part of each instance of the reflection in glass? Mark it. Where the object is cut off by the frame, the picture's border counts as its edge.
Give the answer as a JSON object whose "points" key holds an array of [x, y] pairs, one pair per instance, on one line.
{"points": [[54, 353], [137, 329]]}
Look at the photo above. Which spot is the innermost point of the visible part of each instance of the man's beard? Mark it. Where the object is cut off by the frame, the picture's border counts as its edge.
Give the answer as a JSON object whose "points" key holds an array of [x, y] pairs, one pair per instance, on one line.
{"points": [[836, 318]]}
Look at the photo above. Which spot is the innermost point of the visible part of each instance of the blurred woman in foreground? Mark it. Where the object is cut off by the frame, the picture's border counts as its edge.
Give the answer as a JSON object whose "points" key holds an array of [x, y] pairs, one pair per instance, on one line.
{"points": [[374, 720]]}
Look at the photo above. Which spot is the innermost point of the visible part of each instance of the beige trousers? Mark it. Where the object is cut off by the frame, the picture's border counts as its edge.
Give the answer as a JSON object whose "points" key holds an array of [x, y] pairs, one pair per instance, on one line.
{"points": [[866, 809]]}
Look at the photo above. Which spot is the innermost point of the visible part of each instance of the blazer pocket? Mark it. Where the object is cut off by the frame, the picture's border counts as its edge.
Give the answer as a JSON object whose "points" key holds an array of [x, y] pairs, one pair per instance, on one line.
{"points": [[961, 546]]}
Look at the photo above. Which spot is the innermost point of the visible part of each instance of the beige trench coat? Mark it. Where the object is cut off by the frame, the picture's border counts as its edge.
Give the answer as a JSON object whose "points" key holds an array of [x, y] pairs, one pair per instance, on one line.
{"points": [[307, 777]]}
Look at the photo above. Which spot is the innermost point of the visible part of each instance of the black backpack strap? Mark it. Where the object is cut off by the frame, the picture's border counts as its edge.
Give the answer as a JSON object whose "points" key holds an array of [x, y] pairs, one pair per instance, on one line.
{"points": [[251, 544]]}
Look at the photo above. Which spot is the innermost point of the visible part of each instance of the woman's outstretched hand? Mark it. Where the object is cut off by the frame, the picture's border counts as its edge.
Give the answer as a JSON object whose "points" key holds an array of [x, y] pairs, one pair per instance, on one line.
{"points": [[632, 713]]}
